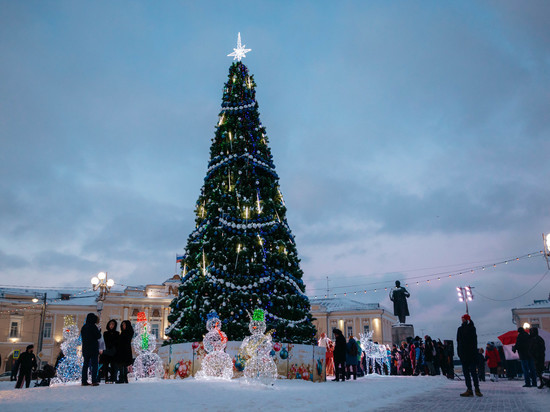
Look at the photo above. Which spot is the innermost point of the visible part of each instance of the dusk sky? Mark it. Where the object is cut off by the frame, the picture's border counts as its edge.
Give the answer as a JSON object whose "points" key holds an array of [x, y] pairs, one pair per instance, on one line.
{"points": [[411, 139]]}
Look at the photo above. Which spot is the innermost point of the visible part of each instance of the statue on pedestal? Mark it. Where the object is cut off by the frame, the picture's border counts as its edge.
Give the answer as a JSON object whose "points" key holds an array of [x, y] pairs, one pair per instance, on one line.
{"points": [[398, 296]]}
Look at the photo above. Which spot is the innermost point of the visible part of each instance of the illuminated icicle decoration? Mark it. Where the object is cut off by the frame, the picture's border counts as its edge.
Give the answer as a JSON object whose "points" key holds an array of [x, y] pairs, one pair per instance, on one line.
{"points": [[217, 363]]}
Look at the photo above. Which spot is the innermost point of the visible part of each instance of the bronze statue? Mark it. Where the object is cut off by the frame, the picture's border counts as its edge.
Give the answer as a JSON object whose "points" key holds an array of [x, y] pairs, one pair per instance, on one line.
{"points": [[398, 296]]}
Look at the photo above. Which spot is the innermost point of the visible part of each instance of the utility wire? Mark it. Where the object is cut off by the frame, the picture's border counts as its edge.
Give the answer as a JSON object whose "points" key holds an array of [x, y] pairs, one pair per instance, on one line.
{"points": [[519, 296]]}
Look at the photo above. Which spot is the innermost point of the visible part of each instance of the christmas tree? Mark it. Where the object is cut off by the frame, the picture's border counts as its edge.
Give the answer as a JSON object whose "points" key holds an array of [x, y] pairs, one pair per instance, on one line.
{"points": [[242, 254]]}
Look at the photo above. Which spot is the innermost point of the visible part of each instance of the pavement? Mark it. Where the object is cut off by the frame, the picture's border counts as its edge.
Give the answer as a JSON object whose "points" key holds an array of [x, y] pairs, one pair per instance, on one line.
{"points": [[504, 395]]}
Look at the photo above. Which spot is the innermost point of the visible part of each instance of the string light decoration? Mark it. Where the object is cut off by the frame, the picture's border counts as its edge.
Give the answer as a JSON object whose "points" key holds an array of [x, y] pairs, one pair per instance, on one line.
{"points": [[259, 366], [69, 369], [434, 276], [217, 363], [374, 353], [147, 365]]}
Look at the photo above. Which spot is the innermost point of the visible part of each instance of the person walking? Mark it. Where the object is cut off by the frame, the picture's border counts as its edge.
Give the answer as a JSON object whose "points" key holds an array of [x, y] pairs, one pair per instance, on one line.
{"points": [[110, 336], [90, 348], [538, 349], [351, 358], [123, 355], [466, 339], [25, 365], [493, 359], [339, 355], [522, 345]]}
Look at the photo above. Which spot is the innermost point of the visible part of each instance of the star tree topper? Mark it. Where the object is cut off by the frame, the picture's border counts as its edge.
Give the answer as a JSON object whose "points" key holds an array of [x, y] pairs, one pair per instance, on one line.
{"points": [[240, 51]]}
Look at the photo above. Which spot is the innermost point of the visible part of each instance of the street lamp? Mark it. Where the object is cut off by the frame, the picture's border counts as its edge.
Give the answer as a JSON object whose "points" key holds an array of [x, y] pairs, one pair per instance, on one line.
{"points": [[42, 320], [102, 283], [546, 243], [464, 295]]}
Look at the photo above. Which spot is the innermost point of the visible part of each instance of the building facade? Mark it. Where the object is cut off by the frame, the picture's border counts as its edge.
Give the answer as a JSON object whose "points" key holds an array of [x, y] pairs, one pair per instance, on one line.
{"points": [[40, 322], [536, 314], [37, 317], [352, 318]]}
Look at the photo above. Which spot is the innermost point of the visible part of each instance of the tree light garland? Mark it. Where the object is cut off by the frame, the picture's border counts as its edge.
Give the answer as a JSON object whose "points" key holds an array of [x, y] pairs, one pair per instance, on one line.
{"points": [[217, 363]]}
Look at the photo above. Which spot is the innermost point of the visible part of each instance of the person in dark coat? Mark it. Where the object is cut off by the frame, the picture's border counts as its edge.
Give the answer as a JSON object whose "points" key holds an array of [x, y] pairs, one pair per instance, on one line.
{"points": [[340, 349], [537, 349], [25, 365], [90, 348], [466, 339], [123, 355], [110, 336], [480, 362], [527, 362], [351, 358], [399, 297]]}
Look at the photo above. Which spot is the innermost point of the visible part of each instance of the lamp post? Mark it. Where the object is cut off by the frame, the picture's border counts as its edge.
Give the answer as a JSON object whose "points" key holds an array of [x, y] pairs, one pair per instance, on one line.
{"points": [[104, 285], [42, 320], [546, 243], [464, 295]]}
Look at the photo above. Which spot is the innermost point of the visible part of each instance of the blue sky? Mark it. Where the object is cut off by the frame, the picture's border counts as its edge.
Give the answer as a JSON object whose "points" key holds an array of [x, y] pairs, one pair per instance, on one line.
{"points": [[411, 138]]}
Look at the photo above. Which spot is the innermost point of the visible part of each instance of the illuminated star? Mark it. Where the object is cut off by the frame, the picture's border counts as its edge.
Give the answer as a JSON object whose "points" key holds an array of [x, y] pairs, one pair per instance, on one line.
{"points": [[240, 51]]}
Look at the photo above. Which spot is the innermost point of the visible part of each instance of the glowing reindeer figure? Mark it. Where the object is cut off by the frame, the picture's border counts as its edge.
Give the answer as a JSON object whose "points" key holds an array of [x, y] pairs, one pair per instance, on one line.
{"points": [[375, 353]]}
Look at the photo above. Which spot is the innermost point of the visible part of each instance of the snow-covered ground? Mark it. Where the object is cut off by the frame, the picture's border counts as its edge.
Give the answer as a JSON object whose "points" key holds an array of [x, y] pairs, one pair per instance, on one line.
{"points": [[367, 393]]}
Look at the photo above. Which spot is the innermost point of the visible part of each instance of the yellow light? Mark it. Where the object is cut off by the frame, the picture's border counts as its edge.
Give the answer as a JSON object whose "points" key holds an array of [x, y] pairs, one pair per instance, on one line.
{"points": [[260, 240], [246, 212], [239, 248], [34, 300], [526, 325], [230, 137], [221, 120]]}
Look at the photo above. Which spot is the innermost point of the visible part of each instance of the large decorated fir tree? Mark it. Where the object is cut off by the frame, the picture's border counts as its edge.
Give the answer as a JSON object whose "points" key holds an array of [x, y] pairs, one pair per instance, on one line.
{"points": [[241, 255]]}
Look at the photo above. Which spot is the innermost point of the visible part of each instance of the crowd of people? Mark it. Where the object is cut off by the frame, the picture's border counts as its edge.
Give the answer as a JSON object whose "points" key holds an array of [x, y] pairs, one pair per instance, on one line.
{"points": [[413, 356], [417, 356], [113, 349]]}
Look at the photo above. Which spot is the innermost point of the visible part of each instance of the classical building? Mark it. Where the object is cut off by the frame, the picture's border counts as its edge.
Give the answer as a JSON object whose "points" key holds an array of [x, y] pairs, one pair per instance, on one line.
{"points": [[352, 318], [36, 317], [29, 316], [535, 314]]}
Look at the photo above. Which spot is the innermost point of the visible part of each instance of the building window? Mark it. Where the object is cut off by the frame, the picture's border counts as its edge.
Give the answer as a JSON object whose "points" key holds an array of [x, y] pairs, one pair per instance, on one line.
{"points": [[135, 312], [350, 330], [534, 322], [47, 330], [14, 329], [366, 328], [155, 330], [156, 313]]}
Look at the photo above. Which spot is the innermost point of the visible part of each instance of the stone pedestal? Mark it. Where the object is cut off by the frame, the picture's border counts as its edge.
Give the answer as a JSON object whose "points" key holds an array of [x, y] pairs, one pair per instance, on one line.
{"points": [[400, 332]]}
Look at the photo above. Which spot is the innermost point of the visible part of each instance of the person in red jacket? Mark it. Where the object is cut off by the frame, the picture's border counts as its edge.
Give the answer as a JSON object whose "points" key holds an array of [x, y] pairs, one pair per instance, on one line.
{"points": [[493, 359]]}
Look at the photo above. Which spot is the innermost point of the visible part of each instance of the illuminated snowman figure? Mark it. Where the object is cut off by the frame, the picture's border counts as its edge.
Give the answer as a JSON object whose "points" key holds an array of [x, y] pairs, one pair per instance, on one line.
{"points": [[147, 363], [217, 363], [69, 368], [260, 365]]}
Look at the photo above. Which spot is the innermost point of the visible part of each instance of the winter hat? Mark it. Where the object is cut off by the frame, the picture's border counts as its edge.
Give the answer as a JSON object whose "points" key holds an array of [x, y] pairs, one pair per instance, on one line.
{"points": [[466, 317]]}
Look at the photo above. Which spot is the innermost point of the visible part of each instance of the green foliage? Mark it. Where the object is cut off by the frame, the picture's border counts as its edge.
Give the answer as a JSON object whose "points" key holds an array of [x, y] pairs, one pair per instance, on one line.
{"points": [[242, 254]]}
